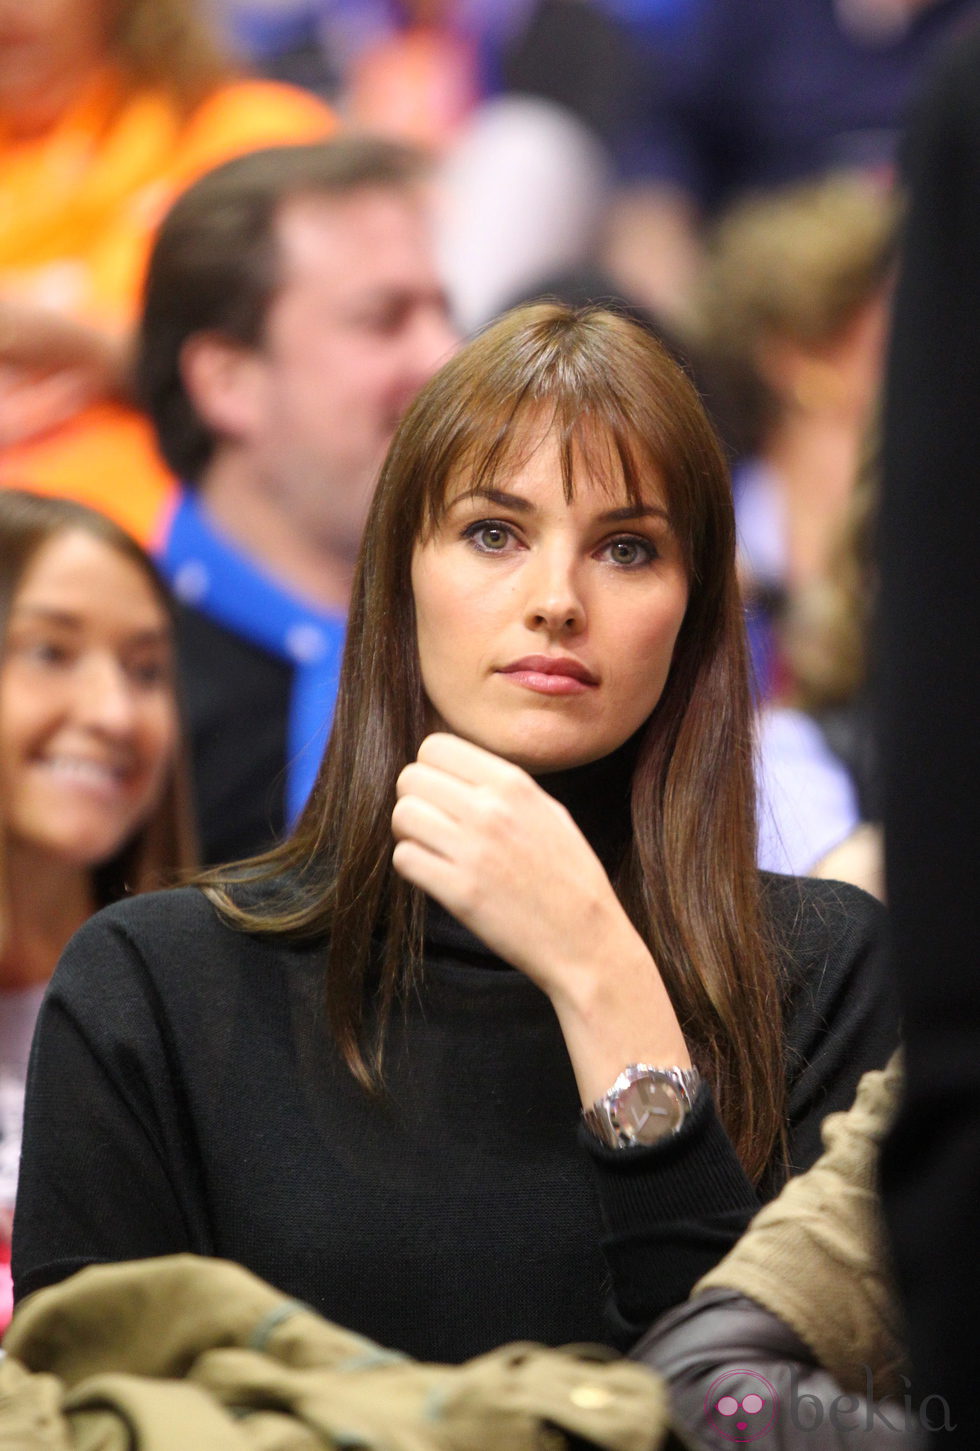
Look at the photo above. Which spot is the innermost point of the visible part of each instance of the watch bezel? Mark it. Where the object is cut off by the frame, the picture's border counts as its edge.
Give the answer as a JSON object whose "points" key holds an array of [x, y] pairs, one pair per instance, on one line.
{"points": [[603, 1118]]}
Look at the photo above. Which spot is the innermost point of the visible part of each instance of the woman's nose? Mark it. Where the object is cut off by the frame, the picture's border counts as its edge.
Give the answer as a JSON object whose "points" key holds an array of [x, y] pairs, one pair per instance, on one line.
{"points": [[105, 699], [554, 599]]}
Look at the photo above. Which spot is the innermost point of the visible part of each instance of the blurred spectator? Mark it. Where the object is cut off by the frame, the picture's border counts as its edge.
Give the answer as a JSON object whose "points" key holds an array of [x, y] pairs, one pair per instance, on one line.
{"points": [[748, 94], [283, 39], [790, 322], [421, 82], [826, 639], [789, 318], [521, 198], [806, 801], [93, 802], [107, 109], [431, 56], [859, 858], [930, 663], [522, 98], [576, 56], [292, 311], [527, 185]]}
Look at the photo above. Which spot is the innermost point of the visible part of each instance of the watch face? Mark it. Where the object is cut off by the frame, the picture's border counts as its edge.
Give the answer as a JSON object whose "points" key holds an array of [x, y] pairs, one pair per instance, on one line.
{"points": [[649, 1109]]}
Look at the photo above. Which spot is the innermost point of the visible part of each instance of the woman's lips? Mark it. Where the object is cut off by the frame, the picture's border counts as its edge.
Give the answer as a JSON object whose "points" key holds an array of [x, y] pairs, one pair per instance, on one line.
{"points": [[551, 675]]}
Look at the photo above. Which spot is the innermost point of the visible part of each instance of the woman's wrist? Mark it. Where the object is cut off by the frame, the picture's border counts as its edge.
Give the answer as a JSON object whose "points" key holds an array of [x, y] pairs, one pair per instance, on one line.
{"points": [[616, 1012]]}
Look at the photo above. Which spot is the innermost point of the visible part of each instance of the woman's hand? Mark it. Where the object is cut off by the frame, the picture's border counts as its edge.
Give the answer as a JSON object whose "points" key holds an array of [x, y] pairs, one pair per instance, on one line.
{"points": [[51, 367], [480, 836]]}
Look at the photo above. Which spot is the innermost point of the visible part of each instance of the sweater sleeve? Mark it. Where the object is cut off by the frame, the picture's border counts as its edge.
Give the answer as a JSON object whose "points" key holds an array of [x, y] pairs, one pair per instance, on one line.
{"points": [[672, 1210], [107, 1171], [842, 1011], [669, 1213]]}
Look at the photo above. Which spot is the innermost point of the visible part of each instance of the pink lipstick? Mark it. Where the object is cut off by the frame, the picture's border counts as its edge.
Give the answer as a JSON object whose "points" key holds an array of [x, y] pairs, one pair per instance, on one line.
{"points": [[551, 675]]}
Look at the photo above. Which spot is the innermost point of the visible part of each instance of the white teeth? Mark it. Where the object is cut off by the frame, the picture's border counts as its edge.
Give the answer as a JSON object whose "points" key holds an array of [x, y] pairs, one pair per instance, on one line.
{"points": [[79, 768]]}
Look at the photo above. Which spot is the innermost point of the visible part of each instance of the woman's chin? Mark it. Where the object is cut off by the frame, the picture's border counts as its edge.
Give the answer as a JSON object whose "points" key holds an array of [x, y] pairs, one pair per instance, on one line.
{"points": [[79, 846], [542, 757]]}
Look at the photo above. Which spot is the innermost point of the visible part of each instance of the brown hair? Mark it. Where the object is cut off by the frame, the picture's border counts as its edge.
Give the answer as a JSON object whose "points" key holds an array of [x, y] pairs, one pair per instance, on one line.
{"points": [[170, 44], [215, 265], [689, 880], [797, 263], [164, 847]]}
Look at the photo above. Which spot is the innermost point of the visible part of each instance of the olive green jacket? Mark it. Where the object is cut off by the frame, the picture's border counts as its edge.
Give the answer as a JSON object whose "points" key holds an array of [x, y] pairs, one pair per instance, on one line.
{"points": [[189, 1354]]}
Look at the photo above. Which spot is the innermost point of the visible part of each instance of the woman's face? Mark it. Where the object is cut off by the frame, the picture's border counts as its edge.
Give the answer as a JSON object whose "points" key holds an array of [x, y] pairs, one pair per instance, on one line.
{"points": [[546, 629], [88, 723], [46, 46]]}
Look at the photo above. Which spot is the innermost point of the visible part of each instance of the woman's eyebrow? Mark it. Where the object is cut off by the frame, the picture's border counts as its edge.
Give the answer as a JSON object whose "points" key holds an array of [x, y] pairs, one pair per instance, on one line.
{"points": [[48, 613], [524, 506], [66, 620], [496, 496], [152, 635], [635, 511]]}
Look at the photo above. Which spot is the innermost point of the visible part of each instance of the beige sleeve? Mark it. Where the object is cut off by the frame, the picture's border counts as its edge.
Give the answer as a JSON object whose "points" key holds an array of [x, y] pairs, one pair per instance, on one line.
{"points": [[816, 1256]]}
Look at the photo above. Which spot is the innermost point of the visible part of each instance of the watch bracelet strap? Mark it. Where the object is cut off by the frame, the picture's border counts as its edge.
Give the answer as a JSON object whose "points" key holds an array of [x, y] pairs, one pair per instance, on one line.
{"points": [[599, 1118]]}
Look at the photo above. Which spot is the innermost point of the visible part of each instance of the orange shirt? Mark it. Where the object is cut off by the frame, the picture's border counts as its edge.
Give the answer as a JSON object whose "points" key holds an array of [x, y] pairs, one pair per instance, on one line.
{"points": [[78, 209]]}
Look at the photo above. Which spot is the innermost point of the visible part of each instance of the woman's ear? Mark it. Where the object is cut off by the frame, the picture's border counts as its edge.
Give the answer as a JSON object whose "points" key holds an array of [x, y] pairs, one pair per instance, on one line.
{"points": [[225, 382]]}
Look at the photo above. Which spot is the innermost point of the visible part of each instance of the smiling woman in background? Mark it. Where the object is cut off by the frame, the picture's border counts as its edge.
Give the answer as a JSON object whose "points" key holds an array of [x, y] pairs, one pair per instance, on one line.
{"points": [[90, 805], [358, 1066]]}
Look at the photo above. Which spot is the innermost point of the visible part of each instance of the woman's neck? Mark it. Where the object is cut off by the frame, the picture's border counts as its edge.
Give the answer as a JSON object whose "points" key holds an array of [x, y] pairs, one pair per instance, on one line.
{"points": [[46, 902]]}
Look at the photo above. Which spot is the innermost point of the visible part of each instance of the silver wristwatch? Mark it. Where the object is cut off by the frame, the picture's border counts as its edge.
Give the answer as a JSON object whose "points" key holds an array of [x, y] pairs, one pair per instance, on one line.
{"points": [[643, 1106]]}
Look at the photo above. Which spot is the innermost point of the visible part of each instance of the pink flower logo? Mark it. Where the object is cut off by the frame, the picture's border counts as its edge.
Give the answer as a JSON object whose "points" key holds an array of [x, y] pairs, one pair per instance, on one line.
{"points": [[741, 1405]]}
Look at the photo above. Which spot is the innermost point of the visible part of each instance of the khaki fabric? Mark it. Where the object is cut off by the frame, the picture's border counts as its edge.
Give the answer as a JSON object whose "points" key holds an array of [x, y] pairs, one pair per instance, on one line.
{"points": [[30, 1411], [189, 1354], [816, 1256]]}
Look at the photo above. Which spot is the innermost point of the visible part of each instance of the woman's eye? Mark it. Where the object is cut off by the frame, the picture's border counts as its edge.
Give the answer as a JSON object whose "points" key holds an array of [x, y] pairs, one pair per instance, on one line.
{"points": [[47, 652], [148, 674], [489, 536], [630, 552]]}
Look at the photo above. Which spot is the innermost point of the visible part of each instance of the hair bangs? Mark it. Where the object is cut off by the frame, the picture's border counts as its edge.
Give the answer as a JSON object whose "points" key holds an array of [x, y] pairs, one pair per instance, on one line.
{"points": [[488, 438]]}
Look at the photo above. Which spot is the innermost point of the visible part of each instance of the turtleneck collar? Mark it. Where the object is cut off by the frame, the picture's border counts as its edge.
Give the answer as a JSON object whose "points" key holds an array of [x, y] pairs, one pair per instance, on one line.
{"points": [[598, 798]]}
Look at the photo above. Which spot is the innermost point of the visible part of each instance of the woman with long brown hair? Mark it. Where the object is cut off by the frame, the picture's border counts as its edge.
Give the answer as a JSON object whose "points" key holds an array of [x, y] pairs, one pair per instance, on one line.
{"points": [[524, 886], [92, 797]]}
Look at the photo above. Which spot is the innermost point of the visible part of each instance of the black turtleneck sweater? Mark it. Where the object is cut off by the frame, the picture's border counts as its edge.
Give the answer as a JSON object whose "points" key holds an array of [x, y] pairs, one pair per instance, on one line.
{"points": [[184, 1095]]}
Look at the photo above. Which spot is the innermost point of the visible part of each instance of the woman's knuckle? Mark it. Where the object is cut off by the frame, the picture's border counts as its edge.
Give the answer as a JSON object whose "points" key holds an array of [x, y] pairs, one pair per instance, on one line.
{"points": [[402, 812]]}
